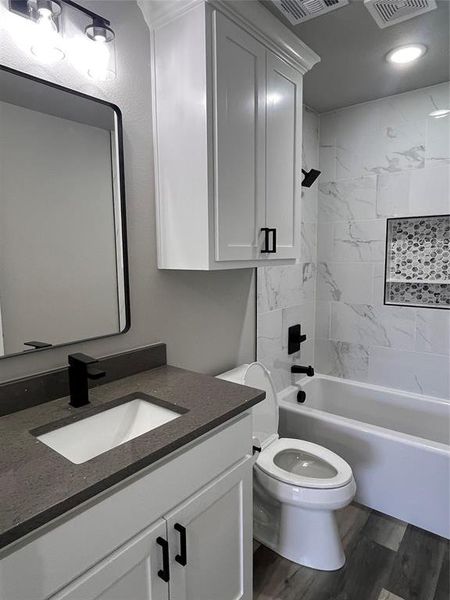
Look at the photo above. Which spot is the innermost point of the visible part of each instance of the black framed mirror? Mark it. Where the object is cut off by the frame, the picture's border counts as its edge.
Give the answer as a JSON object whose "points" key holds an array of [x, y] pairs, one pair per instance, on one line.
{"points": [[63, 243]]}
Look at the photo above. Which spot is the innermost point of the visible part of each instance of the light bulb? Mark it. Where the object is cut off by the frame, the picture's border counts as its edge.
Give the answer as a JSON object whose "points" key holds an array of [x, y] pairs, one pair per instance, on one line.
{"points": [[46, 45]]}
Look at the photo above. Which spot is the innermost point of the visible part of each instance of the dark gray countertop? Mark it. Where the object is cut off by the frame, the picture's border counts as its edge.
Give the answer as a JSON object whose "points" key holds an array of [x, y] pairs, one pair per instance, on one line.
{"points": [[37, 484]]}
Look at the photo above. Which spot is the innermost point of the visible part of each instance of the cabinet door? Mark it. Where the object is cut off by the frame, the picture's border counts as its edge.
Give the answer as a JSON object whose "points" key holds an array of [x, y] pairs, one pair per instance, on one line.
{"points": [[218, 529], [283, 156], [129, 573], [239, 145]]}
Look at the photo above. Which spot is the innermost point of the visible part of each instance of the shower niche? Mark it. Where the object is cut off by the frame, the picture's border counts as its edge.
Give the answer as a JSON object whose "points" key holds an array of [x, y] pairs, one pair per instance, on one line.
{"points": [[417, 271]]}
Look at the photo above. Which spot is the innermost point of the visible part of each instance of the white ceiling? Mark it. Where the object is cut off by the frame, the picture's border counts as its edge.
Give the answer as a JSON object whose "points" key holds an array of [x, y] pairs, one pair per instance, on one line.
{"points": [[352, 47]]}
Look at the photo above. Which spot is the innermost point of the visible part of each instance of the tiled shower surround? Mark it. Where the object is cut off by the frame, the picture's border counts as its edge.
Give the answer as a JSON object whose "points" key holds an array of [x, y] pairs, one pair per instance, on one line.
{"points": [[386, 158]]}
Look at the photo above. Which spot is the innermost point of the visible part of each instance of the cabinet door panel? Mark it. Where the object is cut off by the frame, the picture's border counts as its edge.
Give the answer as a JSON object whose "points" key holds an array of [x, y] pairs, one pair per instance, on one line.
{"points": [[239, 115], [218, 522], [283, 159], [129, 573]]}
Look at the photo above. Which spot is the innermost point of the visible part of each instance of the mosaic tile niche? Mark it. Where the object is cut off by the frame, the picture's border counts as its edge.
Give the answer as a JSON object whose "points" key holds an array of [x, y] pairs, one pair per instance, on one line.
{"points": [[418, 261]]}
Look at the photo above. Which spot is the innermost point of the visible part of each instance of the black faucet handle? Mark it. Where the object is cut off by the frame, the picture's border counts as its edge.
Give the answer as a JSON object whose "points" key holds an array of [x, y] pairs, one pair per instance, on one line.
{"points": [[310, 371], [94, 373]]}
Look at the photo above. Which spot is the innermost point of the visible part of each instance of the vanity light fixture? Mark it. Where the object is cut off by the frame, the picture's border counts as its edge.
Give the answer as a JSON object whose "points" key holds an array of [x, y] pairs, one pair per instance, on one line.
{"points": [[101, 65], [406, 54], [47, 43]]}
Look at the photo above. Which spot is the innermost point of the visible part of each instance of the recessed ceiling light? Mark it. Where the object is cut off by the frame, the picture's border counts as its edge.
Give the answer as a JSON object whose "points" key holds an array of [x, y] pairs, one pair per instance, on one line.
{"points": [[438, 114], [406, 54]]}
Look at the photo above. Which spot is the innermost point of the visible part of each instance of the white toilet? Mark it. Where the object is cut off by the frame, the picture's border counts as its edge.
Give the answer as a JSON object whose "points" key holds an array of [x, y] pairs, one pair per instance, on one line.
{"points": [[297, 485]]}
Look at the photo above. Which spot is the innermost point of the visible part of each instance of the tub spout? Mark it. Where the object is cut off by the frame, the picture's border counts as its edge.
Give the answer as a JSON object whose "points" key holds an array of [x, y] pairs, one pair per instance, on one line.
{"points": [[309, 371]]}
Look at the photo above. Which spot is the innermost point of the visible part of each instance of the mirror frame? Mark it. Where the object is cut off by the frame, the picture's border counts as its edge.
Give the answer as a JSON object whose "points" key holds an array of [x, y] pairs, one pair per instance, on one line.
{"points": [[122, 206]]}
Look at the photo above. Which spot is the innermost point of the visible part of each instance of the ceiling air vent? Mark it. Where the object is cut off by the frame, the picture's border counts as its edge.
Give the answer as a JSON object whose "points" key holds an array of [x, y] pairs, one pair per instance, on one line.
{"points": [[299, 11], [391, 12]]}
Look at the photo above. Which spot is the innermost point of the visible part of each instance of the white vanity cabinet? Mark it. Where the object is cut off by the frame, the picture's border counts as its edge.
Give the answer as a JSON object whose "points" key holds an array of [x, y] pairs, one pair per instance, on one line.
{"points": [[182, 531], [227, 116]]}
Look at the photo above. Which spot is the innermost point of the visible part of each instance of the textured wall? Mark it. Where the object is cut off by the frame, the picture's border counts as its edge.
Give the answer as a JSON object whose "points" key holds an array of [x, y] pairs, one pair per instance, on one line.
{"points": [[381, 159], [286, 295], [207, 319]]}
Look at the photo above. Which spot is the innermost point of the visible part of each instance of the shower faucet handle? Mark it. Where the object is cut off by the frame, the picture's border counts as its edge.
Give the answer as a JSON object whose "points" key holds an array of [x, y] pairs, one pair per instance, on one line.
{"points": [[295, 338]]}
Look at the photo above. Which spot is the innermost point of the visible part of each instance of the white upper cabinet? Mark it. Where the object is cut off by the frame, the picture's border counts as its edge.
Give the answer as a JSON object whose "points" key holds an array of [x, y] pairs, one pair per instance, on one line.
{"points": [[239, 133], [227, 107], [283, 155]]}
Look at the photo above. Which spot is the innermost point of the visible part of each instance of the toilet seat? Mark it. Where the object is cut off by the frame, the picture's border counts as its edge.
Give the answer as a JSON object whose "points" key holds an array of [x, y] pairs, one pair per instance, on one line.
{"points": [[340, 471]]}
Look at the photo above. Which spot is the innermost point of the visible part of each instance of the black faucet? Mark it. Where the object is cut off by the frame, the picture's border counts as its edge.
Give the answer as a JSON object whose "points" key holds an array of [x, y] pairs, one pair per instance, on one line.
{"points": [[80, 371], [309, 371]]}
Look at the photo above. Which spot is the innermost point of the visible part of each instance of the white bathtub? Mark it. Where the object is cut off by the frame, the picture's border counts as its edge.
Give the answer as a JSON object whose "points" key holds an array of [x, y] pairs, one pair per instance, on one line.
{"points": [[397, 443]]}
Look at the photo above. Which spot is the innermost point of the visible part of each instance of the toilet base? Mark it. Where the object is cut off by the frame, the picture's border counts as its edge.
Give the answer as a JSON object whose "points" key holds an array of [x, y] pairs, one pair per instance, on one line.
{"points": [[310, 538], [306, 536]]}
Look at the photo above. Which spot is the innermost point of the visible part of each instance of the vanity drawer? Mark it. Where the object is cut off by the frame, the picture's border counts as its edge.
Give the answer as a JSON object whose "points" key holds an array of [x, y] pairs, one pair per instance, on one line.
{"points": [[60, 552]]}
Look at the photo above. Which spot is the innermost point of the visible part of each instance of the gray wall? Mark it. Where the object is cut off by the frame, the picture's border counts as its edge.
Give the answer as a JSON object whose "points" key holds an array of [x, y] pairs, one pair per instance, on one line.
{"points": [[207, 319]]}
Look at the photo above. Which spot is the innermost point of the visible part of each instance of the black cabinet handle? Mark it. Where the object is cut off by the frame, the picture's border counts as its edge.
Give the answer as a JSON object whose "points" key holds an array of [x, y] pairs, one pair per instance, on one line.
{"points": [[182, 557], [265, 248], [267, 232], [274, 241], [164, 573]]}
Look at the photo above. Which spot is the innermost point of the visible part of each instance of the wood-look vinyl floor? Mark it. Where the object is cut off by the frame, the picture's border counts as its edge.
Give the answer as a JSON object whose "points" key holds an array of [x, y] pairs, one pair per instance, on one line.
{"points": [[386, 560]]}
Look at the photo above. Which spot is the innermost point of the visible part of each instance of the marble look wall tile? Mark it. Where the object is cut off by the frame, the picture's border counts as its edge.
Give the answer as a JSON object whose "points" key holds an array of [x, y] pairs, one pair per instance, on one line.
{"points": [[341, 359], [438, 142], [325, 241], [308, 242], [430, 191], [359, 241], [304, 357], [327, 161], [393, 194], [417, 104], [350, 199], [280, 287], [392, 327], [322, 325], [378, 284], [345, 282], [403, 145], [328, 129], [309, 209], [270, 351], [367, 142], [416, 372], [433, 331]]}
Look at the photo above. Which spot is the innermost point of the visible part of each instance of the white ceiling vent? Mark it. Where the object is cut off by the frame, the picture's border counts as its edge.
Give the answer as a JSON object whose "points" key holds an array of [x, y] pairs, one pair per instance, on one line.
{"points": [[298, 11], [391, 12]]}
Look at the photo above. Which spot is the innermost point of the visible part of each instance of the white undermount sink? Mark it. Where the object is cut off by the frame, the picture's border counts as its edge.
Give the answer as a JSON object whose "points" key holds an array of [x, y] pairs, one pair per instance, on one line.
{"points": [[89, 437]]}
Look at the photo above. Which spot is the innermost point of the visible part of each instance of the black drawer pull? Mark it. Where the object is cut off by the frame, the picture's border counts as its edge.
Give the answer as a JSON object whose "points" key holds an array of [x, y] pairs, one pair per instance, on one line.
{"points": [[164, 573], [182, 557]]}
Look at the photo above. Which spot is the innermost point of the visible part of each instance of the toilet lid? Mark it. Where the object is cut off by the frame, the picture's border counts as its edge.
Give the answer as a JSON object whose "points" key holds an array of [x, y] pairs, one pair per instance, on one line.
{"points": [[265, 414], [304, 464]]}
